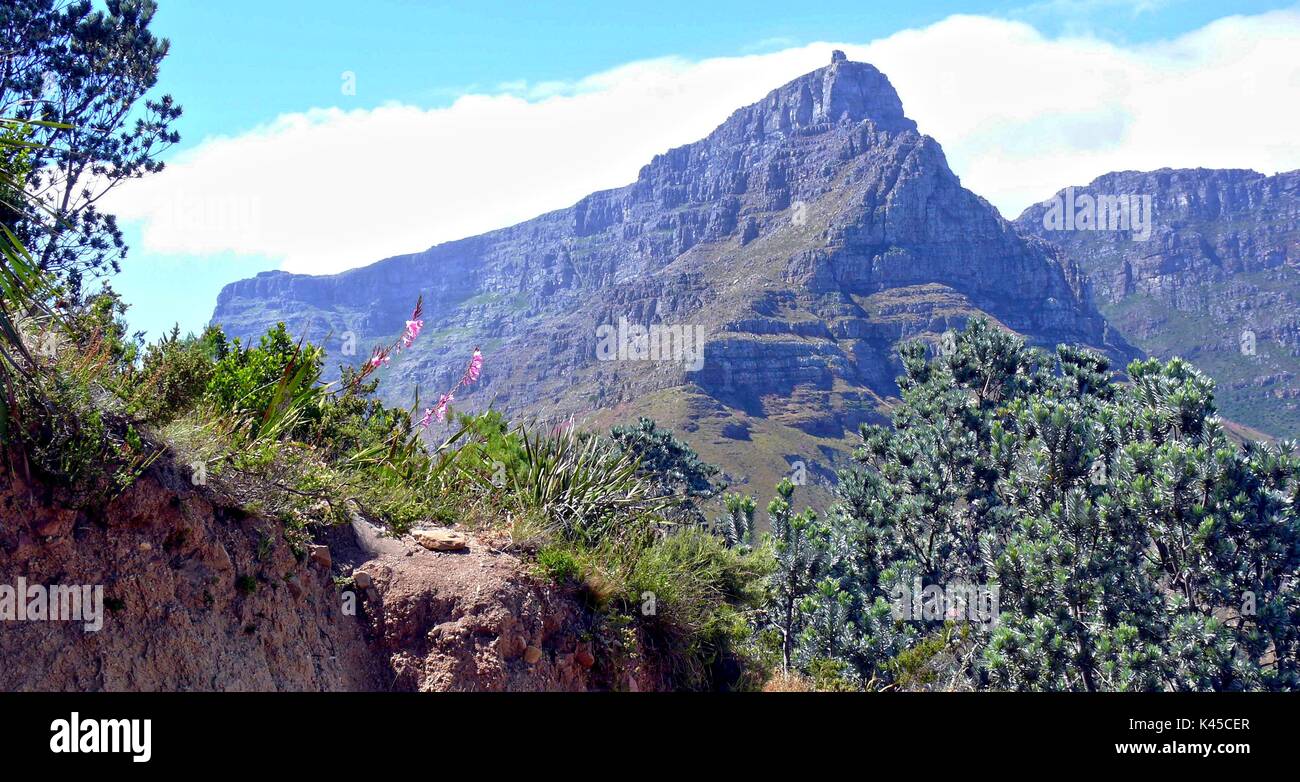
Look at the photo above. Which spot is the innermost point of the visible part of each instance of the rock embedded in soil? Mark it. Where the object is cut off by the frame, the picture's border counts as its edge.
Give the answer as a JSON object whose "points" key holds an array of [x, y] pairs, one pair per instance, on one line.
{"points": [[441, 539], [321, 556]]}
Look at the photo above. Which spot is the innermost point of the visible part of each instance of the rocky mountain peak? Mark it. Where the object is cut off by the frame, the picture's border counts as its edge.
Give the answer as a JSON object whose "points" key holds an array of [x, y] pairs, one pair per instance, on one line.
{"points": [[857, 91], [842, 92], [804, 238]]}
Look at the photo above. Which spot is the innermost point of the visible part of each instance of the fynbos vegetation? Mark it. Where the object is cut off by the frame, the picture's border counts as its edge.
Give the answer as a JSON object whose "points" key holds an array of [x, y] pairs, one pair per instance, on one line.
{"points": [[1130, 543]]}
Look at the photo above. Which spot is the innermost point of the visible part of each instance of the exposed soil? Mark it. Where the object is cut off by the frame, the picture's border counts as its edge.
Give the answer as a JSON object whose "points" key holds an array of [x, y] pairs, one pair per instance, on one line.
{"points": [[200, 595]]}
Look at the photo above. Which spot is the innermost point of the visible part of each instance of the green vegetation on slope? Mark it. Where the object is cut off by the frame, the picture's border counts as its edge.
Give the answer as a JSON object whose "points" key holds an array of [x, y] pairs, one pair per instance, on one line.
{"points": [[1028, 523], [255, 424], [1256, 385]]}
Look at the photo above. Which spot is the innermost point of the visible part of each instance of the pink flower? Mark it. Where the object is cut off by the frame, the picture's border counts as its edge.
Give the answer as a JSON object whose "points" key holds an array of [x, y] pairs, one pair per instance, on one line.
{"points": [[380, 358], [475, 367], [472, 372], [440, 412], [413, 328]]}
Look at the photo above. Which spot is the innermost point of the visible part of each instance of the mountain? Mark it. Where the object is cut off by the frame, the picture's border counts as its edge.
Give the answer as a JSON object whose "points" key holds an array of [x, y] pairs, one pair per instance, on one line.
{"points": [[1216, 279], [804, 238]]}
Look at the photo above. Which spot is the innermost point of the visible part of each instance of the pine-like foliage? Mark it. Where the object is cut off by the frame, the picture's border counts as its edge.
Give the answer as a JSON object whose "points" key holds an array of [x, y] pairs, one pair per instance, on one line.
{"points": [[1133, 546], [737, 525], [76, 74], [799, 544], [672, 467]]}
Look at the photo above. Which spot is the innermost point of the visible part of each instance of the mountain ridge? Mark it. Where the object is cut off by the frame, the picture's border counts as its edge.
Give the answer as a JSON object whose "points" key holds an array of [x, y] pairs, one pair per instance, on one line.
{"points": [[1216, 282], [807, 235]]}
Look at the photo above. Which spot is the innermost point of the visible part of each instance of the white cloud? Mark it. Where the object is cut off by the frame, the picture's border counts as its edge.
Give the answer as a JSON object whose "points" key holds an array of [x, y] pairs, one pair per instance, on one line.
{"points": [[1020, 115]]}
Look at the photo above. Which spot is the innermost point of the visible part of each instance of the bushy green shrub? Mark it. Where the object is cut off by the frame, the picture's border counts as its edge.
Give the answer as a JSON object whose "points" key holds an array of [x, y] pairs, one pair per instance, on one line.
{"points": [[96, 327], [275, 384], [493, 448], [671, 467], [583, 485], [695, 596], [174, 375], [1133, 545], [65, 431], [559, 563]]}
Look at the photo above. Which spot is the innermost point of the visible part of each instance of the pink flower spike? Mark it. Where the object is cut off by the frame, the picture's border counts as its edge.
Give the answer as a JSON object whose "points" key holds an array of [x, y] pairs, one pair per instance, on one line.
{"points": [[440, 412], [475, 366], [413, 328], [427, 419]]}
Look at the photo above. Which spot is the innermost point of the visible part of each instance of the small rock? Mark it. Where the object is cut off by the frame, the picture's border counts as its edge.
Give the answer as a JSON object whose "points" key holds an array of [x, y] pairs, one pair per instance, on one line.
{"points": [[585, 658], [441, 539], [532, 654], [295, 588], [321, 556], [512, 646], [362, 579], [146, 546]]}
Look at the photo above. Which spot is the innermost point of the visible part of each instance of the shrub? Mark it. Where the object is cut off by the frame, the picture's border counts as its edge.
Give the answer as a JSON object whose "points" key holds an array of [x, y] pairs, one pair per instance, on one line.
{"points": [[582, 485], [174, 375], [66, 433], [672, 468], [273, 387], [492, 448], [695, 596], [1132, 544], [558, 563]]}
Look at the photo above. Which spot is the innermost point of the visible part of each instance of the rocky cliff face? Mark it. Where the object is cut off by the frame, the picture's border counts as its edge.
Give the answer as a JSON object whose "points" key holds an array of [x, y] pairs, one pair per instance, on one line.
{"points": [[803, 238], [1217, 280]]}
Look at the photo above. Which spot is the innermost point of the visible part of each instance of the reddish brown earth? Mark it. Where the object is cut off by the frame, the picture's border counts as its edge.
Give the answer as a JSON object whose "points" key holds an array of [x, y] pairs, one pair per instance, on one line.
{"points": [[476, 619], [182, 612]]}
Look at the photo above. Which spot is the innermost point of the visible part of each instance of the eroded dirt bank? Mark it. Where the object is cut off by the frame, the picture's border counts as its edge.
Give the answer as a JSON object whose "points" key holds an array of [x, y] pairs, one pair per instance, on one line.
{"points": [[200, 595]]}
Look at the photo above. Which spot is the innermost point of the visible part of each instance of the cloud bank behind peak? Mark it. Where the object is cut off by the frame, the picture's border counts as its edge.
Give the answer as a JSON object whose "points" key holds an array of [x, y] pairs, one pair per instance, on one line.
{"points": [[1019, 115]]}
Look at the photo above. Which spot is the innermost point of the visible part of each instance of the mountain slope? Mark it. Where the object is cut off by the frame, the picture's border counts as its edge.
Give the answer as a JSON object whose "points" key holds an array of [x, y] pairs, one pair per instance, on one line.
{"points": [[1220, 270], [803, 238]]}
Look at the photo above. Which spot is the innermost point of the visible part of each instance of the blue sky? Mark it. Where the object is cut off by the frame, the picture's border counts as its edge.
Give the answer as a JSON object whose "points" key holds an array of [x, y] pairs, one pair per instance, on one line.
{"points": [[238, 65]]}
